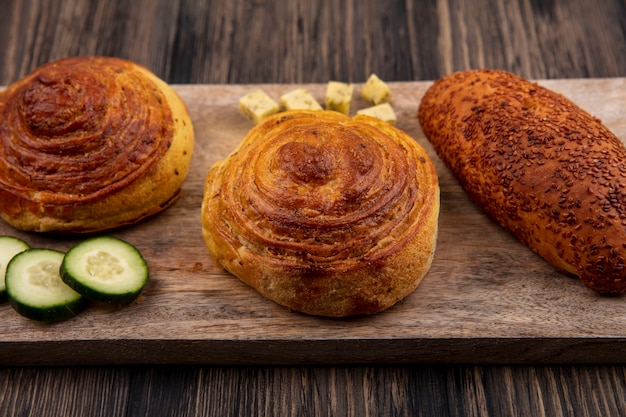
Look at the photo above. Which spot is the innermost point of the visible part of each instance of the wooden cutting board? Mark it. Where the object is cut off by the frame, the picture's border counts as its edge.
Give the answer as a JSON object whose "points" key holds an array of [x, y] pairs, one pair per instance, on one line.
{"points": [[486, 299]]}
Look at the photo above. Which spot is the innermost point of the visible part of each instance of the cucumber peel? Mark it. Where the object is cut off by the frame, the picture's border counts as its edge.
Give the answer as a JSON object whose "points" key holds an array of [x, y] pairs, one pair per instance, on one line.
{"points": [[35, 289], [9, 247], [105, 269]]}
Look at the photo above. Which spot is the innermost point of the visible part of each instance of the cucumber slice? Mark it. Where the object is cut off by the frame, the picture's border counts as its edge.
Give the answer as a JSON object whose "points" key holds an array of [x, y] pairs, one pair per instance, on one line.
{"points": [[105, 269], [35, 289], [9, 247]]}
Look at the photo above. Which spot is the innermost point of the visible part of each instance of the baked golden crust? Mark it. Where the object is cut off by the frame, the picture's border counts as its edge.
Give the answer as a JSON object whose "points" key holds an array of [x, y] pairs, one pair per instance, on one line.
{"points": [[324, 214], [540, 166], [90, 143]]}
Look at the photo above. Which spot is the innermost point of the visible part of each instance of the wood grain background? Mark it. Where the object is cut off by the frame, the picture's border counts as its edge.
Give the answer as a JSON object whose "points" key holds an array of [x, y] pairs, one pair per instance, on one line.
{"points": [[243, 41], [300, 41]]}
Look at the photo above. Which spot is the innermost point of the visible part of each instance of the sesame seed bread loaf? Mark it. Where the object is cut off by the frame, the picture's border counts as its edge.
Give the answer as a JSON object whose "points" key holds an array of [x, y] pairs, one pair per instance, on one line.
{"points": [[540, 166], [89, 144], [325, 214]]}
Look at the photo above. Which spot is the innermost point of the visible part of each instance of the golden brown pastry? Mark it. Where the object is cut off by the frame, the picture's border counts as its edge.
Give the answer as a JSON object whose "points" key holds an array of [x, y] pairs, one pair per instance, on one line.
{"points": [[90, 143], [324, 214], [540, 166]]}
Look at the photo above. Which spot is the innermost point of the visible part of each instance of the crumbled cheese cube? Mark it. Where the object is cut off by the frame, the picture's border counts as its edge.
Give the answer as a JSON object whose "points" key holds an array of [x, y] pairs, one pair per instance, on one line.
{"points": [[382, 111], [339, 96], [257, 105], [299, 99], [376, 91]]}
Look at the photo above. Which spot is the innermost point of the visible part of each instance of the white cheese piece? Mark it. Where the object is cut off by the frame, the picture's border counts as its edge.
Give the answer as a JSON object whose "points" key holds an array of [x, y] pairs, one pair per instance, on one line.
{"points": [[299, 99], [382, 111], [257, 105], [339, 96], [376, 91]]}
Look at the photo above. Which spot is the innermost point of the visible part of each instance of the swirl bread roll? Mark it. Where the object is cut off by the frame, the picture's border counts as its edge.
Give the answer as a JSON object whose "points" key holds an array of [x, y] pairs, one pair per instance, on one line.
{"points": [[324, 214], [543, 168], [89, 144]]}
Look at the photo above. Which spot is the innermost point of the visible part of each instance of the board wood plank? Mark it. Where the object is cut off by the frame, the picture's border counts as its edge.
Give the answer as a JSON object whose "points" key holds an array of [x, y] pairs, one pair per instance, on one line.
{"points": [[486, 299]]}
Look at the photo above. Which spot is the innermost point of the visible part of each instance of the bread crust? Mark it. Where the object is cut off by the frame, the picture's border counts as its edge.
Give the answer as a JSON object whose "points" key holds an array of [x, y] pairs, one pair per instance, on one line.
{"points": [[324, 214], [539, 165], [90, 144]]}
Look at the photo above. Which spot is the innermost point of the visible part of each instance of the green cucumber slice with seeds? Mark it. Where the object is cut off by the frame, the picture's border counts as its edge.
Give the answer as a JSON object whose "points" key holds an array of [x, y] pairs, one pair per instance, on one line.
{"points": [[9, 247], [105, 269], [35, 289]]}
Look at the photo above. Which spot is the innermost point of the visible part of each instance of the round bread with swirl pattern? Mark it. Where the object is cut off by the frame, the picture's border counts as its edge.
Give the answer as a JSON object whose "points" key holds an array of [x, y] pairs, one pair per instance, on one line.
{"points": [[90, 144], [324, 214]]}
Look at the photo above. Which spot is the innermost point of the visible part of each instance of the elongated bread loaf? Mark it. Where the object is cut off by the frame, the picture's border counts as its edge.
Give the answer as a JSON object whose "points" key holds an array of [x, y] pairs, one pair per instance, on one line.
{"points": [[323, 213], [540, 166]]}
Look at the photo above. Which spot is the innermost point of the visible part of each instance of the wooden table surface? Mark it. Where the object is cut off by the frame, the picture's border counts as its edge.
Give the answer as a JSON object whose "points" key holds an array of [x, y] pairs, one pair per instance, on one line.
{"points": [[304, 41]]}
